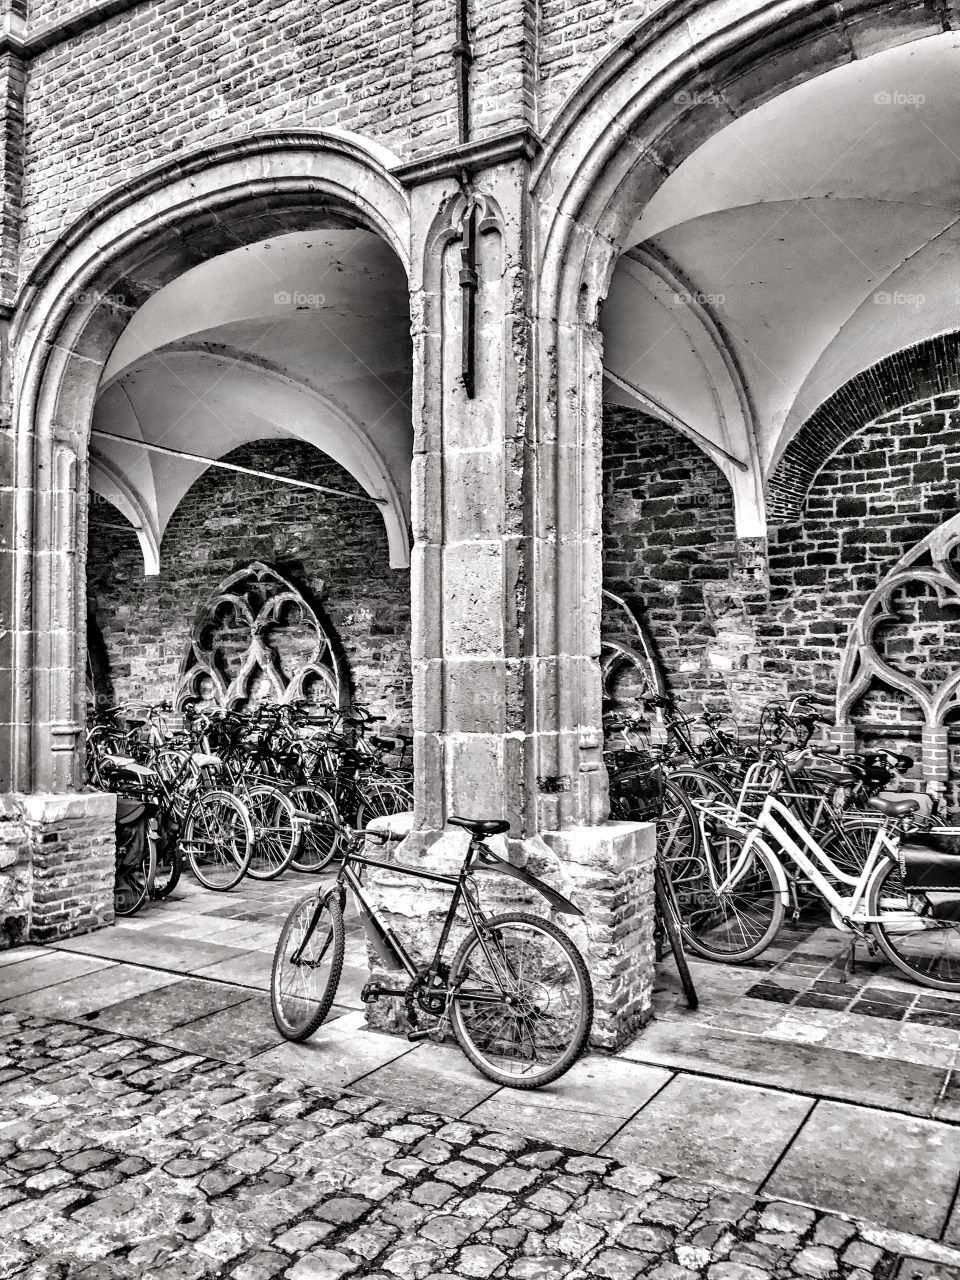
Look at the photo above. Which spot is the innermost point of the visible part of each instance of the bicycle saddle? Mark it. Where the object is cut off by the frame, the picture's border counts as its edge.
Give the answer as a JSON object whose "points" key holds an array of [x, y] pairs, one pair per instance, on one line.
{"points": [[480, 827], [893, 808], [384, 744]]}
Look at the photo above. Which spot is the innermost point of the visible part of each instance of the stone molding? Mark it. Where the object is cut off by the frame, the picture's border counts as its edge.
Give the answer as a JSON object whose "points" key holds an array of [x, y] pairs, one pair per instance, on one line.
{"points": [[470, 157]]}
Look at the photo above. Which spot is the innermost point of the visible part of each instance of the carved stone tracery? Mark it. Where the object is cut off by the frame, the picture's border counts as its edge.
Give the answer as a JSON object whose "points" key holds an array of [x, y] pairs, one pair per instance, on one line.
{"points": [[237, 651], [929, 568]]}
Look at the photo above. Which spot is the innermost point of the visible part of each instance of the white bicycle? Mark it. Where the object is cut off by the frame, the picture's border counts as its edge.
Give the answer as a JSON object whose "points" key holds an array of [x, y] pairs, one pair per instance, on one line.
{"points": [[904, 900]]}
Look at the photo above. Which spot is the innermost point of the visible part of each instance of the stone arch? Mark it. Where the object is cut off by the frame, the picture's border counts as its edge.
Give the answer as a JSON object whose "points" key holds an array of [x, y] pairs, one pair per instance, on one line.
{"points": [[680, 76], [929, 368], [73, 307]]}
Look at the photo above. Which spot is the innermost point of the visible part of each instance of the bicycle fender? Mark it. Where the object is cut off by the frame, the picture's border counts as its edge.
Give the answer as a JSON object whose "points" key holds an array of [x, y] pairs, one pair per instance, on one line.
{"points": [[556, 900]]}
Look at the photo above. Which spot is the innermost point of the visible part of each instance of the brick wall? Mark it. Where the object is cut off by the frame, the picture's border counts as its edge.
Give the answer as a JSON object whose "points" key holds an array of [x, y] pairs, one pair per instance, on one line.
{"points": [[225, 521], [171, 76], [573, 38], [879, 494], [669, 538], [892, 483]]}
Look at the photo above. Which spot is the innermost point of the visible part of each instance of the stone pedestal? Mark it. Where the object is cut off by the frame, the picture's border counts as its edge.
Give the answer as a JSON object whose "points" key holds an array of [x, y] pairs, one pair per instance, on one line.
{"points": [[607, 871], [57, 856]]}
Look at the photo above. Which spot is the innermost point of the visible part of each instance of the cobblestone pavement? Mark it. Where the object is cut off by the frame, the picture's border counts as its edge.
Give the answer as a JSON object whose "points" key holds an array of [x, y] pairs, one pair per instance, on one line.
{"points": [[121, 1158]]}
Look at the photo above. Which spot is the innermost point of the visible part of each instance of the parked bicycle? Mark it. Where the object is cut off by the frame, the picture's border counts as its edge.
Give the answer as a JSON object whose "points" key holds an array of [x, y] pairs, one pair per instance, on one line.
{"points": [[516, 994], [904, 900]]}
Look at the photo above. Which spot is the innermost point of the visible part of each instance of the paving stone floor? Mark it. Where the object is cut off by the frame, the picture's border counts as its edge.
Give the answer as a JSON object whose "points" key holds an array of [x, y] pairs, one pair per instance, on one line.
{"points": [[153, 1124]]}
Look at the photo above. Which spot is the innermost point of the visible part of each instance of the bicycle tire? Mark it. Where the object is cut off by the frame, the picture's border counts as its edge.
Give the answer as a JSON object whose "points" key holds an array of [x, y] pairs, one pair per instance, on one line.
{"points": [[131, 885], [700, 906], [322, 833], [670, 915], [218, 840], [382, 799], [898, 946], [572, 1022], [276, 830], [678, 833], [849, 842], [169, 868], [698, 782], [296, 1013]]}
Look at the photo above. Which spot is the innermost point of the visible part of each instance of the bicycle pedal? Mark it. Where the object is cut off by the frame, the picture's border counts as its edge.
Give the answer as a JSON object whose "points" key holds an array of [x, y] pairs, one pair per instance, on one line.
{"points": [[421, 1033], [369, 992]]}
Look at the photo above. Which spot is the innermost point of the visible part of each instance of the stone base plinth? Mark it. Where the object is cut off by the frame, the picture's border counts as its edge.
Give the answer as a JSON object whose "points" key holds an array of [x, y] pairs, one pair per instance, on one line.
{"points": [[57, 857], [605, 870]]}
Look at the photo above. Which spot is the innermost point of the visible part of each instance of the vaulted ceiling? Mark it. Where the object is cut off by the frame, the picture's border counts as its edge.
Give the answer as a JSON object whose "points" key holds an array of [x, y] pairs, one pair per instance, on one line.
{"points": [[800, 245], [306, 336]]}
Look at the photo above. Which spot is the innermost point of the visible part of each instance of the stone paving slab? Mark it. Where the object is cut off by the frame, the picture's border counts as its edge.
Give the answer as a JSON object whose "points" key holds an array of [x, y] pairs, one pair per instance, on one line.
{"points": [[583, 1109], [340, 1053], [431, 1077], [45, 970], [98, 988], [831, 1073], [151, 948], [895, 1169], [717, 1130], [121, 1159], [235, 1034], [151, 1013], [249, 969], [16, 955]]}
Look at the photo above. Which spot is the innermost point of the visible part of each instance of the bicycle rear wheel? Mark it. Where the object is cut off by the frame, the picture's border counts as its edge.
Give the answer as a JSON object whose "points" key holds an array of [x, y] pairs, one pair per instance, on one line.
{"points": [[924, 948], [738, 924], [307, 965], [218, 839], [276, 831], [522, 1007], [322, 828], [135, 870]]}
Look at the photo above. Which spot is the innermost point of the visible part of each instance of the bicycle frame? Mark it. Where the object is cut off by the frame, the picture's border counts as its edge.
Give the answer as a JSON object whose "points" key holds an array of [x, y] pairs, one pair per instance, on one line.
{"points": [[776, 820], [385, 941]]}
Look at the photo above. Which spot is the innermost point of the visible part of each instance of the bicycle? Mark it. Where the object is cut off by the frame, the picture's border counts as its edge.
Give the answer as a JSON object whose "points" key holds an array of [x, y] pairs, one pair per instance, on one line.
{"points": [[212, 827], [744, 890], [517, 994]]}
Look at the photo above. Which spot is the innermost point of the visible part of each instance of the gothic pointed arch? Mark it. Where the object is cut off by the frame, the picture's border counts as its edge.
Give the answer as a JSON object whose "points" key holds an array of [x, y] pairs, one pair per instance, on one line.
{"points": [[238, 654]]}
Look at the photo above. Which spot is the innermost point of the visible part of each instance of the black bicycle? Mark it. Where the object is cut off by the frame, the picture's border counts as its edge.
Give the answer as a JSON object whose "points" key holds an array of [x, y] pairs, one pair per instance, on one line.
{"points": [[517, 994]]}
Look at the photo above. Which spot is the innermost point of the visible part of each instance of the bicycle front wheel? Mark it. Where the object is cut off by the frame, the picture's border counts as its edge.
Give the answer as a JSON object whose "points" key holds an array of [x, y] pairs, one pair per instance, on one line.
{"points": [[322, 827], [924, 948], [522, 1006], [740, 922], [276, 831], [218, 839], [306, 966]]}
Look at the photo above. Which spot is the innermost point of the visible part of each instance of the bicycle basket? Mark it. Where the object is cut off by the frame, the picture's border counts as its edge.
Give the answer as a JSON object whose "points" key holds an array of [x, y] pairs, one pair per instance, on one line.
{"points": [[636, 792]]}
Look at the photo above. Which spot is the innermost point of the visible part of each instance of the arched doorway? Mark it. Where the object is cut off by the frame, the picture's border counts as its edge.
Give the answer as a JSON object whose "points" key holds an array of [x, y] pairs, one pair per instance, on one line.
{"points": [[655, 199], [75, 349]]}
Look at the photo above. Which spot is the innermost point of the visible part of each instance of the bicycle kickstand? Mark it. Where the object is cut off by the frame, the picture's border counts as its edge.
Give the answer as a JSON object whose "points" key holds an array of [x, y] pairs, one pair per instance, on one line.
{"points": [[850, 962]]}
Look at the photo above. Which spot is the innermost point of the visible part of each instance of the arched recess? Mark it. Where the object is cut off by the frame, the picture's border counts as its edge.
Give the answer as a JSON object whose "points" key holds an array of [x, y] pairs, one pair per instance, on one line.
{"points": [[73, 308], [687, 71], [927, 369]]}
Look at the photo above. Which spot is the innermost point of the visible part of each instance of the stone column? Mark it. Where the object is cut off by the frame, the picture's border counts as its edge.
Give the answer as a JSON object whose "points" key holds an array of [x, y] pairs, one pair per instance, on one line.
{"points": [[506, 596]]}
